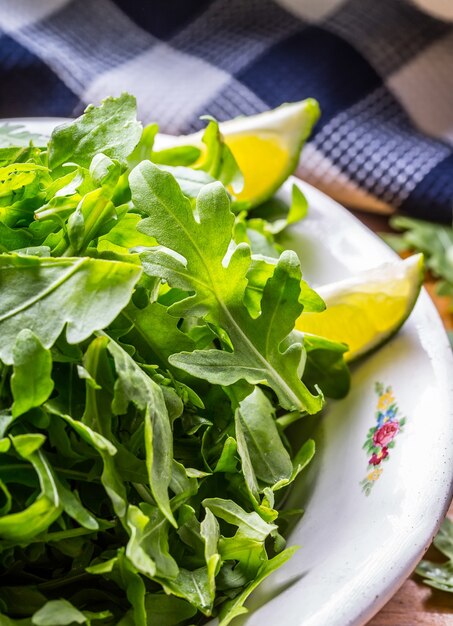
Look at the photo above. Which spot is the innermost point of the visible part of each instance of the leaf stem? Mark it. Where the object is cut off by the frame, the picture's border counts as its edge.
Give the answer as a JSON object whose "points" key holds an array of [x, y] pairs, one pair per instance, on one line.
{"points": [[144, 493]]}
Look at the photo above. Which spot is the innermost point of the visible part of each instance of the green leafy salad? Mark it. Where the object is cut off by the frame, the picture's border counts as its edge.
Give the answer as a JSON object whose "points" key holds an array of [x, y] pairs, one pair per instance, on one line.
{"points": [[150, 377]]}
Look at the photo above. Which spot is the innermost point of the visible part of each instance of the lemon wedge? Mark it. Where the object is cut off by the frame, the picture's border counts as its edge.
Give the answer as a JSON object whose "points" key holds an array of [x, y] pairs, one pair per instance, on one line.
{"points": [[266, 146], [366, 310]]}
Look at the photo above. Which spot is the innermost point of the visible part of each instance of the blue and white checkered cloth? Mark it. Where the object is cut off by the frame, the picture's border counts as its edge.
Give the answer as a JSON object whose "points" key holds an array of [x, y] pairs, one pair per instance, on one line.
{"points": [[381, 70]]}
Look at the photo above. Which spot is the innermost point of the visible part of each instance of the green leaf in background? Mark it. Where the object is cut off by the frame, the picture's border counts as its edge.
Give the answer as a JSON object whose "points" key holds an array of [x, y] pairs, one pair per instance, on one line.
{"points": [[27, 447], [434, 240], [111, 478], [111, 128], [440, 575], [30, 283], [30, 387], [16, 135]]}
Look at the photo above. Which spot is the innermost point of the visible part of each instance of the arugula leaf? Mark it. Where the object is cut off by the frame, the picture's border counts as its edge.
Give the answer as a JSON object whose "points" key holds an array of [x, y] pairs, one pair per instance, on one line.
{"points": [[30, 388], [168, 610], [219, 288], [58, 613], [274, 216], [262, 360], [122, 572], [20, 527], [14, 239], [144, 148], [124, 235], [259, 442], [148, 547], [249, 525], [209, 531], [219, 161], [193, 585], [156, 333], [111, 128], [325, 366], [133, 385], [18, 175], [31, 285], [235, 607], [191, 181], [183, 156]]}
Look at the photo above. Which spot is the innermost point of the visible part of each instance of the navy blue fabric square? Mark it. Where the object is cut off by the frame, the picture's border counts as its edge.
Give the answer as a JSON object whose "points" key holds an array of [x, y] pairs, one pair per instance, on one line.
{"points": [[29, 87], [312, 63], [388, 33], [230, 34], [432, 198], [162, 18]]}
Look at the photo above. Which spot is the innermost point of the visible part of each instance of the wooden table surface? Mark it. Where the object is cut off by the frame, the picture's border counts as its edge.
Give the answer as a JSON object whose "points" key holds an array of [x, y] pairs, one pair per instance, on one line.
{"points": [[416, 604]]}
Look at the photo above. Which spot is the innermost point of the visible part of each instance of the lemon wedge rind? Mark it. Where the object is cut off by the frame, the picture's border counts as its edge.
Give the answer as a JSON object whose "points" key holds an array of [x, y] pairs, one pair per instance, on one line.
{"points": [[366, 310]]}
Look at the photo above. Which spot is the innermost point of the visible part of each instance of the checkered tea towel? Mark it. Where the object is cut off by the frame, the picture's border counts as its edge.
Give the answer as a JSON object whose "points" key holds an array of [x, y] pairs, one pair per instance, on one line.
{"points": [[382, 71]]}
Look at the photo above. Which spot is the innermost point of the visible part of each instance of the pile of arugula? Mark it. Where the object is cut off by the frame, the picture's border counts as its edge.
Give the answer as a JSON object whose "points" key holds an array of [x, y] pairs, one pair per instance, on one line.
{"points": [[149, 373]]}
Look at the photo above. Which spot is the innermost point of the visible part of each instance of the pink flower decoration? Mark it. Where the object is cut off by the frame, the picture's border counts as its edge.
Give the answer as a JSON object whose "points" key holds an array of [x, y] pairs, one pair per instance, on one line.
{"points": [[385, 434]]}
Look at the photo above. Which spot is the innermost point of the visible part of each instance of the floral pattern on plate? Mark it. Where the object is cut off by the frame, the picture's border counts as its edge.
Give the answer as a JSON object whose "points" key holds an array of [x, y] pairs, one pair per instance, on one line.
{"points": [[381, 437]]}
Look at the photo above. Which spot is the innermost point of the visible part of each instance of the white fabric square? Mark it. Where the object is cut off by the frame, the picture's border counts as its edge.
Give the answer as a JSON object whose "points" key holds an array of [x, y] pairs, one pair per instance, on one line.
{"points": [[16, 14], [424, 86], [170, 86]]}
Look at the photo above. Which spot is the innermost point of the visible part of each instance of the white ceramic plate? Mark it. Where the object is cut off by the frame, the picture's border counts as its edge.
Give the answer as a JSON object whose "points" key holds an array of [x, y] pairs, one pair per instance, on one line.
{"points": [[357, 548]]}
